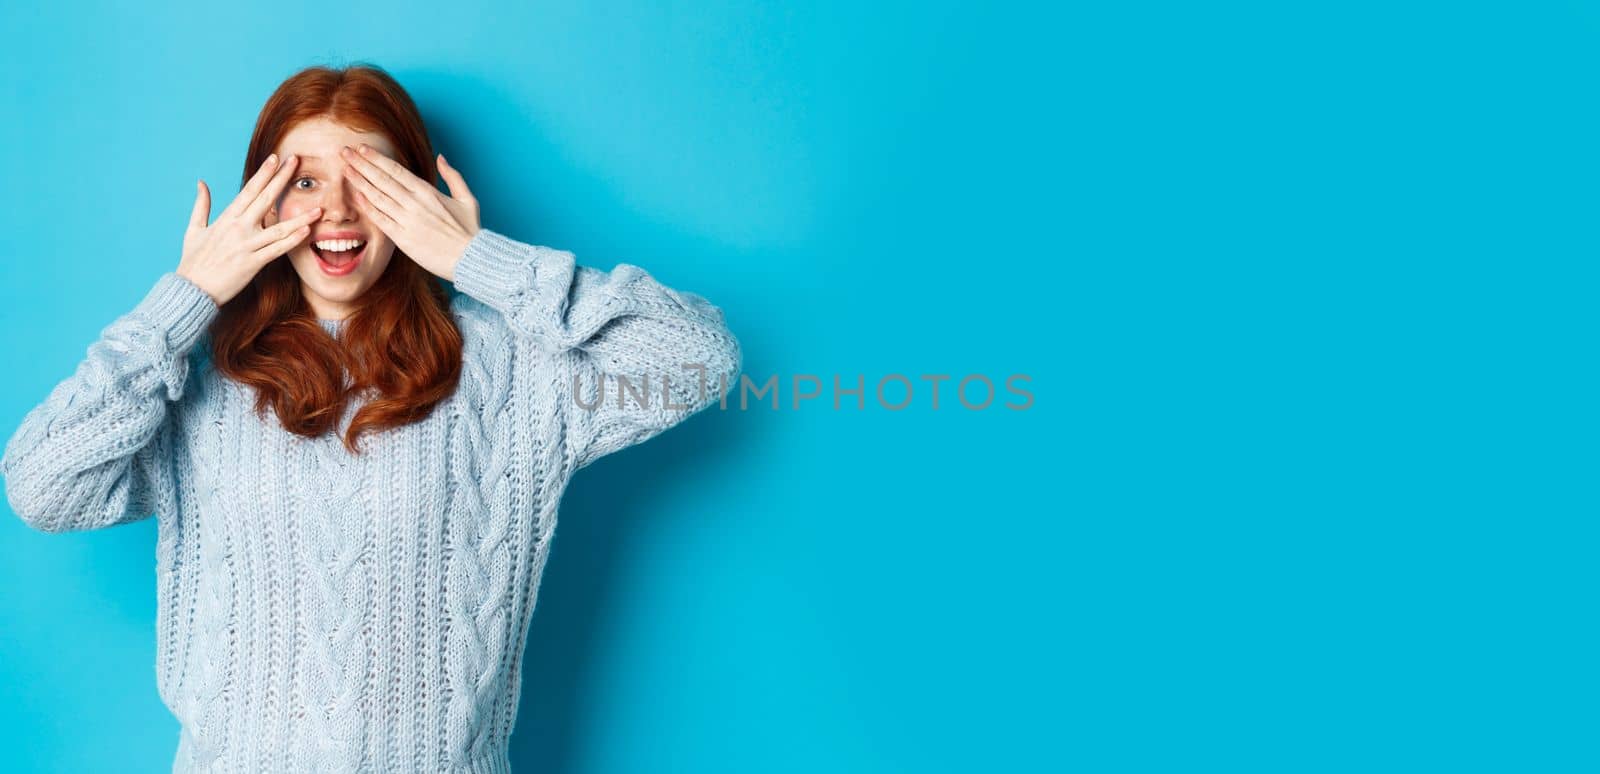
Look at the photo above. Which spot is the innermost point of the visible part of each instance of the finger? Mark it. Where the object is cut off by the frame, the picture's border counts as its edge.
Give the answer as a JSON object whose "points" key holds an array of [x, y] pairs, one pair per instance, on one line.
{"points": [[385, 223], [202, 206], [381, 189], [375, 196], [396, 181], [397, 171], [248, 193], [284, 228], [266, 196], [454, 181], [427, 201], [282, 245]]}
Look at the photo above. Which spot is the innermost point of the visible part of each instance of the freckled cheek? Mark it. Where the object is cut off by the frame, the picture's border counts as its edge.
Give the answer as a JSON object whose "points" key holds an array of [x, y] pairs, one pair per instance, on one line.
{"points": [[290, 205]]}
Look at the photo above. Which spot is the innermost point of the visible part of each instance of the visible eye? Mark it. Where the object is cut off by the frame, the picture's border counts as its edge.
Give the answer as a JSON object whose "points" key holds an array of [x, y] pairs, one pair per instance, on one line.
{"points": [[298, 181]]}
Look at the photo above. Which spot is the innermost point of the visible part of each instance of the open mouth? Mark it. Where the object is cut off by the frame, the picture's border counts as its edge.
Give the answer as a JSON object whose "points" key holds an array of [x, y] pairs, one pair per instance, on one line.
{"points": [[339, 256]]}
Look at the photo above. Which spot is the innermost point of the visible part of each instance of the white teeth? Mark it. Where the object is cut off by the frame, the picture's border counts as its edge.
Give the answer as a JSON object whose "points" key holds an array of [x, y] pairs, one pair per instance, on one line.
{"points": [[339, 245]]}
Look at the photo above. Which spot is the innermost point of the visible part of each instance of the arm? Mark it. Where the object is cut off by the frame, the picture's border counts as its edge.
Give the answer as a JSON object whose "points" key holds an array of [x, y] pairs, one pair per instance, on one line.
{"points": [[621, 324], [97, 451]]}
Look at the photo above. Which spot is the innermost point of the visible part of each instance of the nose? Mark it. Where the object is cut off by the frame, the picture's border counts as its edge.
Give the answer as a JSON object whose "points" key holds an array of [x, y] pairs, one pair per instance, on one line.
{"points": [[336, 200]]}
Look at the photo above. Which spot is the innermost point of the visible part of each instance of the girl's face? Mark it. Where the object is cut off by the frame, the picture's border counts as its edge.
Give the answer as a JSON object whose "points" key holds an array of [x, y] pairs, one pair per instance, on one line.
{"points": [[332, 274]]}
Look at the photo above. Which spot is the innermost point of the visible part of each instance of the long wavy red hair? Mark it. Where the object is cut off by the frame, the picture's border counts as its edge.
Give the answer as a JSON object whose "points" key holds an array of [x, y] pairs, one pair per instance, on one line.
{"points": [[400, 345]]}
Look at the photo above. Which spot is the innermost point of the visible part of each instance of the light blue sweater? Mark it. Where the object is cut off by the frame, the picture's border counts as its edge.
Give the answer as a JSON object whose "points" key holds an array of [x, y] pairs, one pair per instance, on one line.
{"points": [[319, 611]]}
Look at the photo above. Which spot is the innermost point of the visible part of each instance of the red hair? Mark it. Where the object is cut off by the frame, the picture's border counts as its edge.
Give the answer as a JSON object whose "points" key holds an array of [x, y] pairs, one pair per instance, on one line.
{"points": [[401, 340]]}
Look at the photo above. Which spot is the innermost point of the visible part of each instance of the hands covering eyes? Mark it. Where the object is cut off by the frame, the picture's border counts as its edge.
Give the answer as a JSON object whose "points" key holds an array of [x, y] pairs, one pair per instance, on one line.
{"points": [[431, 228], [221, 258]]}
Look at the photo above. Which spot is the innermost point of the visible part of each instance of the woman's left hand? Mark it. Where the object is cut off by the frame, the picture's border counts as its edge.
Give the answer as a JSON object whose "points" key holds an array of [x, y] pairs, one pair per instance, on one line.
{"points": [[429, 227]]}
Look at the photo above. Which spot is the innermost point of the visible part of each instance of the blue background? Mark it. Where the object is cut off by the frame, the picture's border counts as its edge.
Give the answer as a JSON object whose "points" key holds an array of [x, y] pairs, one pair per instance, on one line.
{"points": [[1305, 291]]}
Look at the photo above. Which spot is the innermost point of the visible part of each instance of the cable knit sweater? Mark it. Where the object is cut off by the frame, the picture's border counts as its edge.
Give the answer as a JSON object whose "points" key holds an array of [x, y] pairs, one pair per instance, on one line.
{"points": [[322, 611]]}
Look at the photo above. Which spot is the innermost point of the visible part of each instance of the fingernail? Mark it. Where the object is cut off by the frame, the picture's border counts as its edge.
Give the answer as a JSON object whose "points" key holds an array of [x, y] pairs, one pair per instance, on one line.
{"points": [[272, 158]]}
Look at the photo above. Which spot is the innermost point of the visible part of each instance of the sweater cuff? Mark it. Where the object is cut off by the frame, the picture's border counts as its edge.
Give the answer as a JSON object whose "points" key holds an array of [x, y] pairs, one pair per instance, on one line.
{"points": [[494, 268], [179, 308]]}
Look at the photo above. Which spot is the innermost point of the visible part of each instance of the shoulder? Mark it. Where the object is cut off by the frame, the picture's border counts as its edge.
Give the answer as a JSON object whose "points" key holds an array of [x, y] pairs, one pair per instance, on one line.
{"points": [[202, 400], [493, 350], [477, 321], [485, 335]]}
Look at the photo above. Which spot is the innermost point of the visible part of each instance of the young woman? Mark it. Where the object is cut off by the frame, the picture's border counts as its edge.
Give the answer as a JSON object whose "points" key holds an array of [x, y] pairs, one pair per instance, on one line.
{"points": [[355, 474]]}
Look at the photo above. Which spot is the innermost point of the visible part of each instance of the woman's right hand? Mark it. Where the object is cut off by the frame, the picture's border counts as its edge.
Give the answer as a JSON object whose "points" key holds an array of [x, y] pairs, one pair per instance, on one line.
{"points": [[222, 258]]}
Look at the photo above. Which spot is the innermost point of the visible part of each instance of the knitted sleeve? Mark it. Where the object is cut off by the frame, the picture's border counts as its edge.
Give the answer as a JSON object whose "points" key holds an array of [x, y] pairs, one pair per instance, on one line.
{"points": [[98, 450], [641, 357]]}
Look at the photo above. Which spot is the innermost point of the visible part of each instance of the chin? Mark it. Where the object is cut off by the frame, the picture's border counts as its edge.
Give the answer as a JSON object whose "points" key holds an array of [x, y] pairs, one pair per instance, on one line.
{"points": [[339, 292]]}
